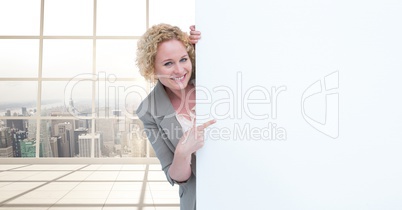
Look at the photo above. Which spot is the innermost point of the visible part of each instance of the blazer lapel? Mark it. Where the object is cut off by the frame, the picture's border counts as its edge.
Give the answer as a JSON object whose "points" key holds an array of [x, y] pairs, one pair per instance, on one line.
{"points": [[166, 113]]}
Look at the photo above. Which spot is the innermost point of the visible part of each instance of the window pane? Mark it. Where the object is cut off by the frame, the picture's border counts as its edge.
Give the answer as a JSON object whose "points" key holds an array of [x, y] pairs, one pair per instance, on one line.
{"points": [[19, 58], [20, 99], [67, 58], [175, 12], [85, 142], [20, 17], [27, 146], [122, 137], [137, 142], [60, 137], [67, 98], [117, 57], [16, 142], [48, 143], [119, 132], [68, 17], [121, 17], [119, 96], [108, 129]]}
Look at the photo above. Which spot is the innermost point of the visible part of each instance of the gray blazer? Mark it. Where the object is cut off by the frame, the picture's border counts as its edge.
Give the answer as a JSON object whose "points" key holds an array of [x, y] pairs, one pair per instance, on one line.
{"points": [[164, 131]]}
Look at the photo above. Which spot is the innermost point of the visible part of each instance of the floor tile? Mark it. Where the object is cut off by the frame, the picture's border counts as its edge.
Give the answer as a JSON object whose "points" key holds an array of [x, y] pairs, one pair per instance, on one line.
{"points": [[103, 176], [20, 186], [44, 194], [167, 200], [46, 176], [110, 167], [76, 176], [131, 176], [94, 186], [104, 167], [86, 186], [119, 208], [77, 208], [50, 167], [127, 186], [136, 167], [59, 186], [16, 175], [38, 167], [163, 194], [129, 194], [71, 167], [23, 208], [90, 194], [33, 201], [75, 201], [122, 201], [5, 195], [156, 176], [154, 167], [148, 201], [4, 184], [161, 186], [92, 167], [8, 167]]}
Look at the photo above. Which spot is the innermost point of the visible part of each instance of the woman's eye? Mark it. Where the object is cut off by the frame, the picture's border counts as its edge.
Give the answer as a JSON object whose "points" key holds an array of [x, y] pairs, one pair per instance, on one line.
{"points": [[183, 60], [168, 64]]}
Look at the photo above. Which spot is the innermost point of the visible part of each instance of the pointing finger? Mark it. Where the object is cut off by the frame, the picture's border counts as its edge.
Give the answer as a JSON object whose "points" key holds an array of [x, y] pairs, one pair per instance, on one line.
{"points": [[206, 124]]}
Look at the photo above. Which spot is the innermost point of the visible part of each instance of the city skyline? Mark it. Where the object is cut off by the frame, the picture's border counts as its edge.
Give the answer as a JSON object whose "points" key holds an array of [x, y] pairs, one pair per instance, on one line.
{"points": [[119, 137]]}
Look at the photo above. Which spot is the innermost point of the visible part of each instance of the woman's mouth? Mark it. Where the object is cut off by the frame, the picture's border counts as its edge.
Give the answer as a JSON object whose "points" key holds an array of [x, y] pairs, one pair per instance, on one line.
{"points": [[179, 79]]}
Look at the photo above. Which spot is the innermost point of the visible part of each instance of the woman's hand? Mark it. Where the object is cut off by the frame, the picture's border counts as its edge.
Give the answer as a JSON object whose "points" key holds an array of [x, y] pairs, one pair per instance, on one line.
{"points": [[193, 139], [194, 35], [190, 142]]}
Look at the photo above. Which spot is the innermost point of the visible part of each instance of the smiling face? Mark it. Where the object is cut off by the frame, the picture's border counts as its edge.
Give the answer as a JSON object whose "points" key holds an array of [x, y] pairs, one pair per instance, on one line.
{"points": [[173, 66]]}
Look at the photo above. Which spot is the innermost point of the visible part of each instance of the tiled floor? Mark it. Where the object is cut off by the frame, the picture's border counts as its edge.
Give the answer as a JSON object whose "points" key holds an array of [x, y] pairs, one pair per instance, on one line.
{"points": [[86, 186]]}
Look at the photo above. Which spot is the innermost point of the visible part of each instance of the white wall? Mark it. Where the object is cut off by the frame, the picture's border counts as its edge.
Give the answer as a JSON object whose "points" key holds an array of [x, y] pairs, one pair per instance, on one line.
{"points": [[308, 99]]}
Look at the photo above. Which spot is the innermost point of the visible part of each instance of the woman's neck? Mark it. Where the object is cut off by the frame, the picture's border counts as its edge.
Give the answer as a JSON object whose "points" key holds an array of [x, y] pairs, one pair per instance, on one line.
{"points": [[180, 94], [182, 99]]}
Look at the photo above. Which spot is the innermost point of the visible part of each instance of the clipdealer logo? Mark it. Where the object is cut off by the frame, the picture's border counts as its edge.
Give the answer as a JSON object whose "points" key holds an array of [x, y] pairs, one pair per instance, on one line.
{"points": [[319, 105], [326, 90]]}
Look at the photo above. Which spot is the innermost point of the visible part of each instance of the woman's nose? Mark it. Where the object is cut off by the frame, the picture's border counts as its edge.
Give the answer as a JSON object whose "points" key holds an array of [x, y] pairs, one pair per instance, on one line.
{"points": [[179, 69]]}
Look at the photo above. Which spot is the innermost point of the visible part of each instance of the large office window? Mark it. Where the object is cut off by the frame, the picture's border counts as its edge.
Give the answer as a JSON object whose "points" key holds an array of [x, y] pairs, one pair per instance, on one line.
{"points": [[69, 83]]}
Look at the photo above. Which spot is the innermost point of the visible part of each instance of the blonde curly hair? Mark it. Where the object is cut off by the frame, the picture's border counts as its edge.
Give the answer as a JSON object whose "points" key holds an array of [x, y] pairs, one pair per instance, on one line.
{"points": [[147, 47]]}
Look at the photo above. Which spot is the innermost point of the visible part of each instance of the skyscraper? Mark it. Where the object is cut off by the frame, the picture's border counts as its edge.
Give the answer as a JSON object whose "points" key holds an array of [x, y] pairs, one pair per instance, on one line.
{"points": [[17, 124], [24, 111], [17, 138], [106, 128], [53, 145], [85, 145], [77, 133], [55, 122], [45, 135], [6, 152], [28, 148], [66, 144], [6, 148], [5, 137]]}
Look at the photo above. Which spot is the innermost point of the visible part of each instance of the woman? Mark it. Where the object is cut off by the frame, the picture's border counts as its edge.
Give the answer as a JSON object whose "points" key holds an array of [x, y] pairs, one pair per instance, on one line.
{"points": [[166, 55]]}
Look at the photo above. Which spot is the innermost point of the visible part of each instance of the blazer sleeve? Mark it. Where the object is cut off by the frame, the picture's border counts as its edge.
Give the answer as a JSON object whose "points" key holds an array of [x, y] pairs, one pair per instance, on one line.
{"points": [[157, 139]]}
